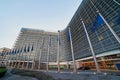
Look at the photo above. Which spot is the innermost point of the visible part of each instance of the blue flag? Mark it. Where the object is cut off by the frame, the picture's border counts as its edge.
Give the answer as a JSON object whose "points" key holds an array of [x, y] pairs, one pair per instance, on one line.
{"points": [[18, 51], [68, 32], [28, 49], [97, 23], [21, 49], [25, 49], [9, 52], [32, 48], [13, 51]]}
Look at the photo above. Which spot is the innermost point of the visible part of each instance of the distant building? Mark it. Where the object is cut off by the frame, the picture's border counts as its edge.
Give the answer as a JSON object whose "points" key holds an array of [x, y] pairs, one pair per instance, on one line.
{"points": [[91, 39], [4, 54]]}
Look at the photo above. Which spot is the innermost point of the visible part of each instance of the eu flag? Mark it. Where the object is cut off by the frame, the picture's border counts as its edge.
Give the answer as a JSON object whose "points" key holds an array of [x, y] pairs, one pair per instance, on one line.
{"points": [[97, 23], [13, 51], [25, 49], [10, 52], [28, 49], [21, 50], [18, 51], [68, 32], [32, 47]]}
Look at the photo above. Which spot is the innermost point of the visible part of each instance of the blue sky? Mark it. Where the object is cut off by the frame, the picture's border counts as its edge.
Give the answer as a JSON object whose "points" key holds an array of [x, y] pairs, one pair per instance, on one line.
{"points": [[48, 15]]}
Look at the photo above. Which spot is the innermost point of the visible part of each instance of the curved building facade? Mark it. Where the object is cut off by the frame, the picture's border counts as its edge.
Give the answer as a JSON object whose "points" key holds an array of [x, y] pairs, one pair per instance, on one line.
{"points": [[92, 38]]}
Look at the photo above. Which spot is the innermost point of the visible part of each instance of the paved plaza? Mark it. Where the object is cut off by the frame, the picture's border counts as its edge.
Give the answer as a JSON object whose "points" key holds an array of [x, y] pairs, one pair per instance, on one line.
{"points": [[9, 76], [67, 75]]}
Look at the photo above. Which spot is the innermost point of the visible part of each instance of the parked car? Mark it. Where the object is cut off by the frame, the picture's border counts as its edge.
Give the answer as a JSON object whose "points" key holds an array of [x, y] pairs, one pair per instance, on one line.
{"points": [[84, 68]]}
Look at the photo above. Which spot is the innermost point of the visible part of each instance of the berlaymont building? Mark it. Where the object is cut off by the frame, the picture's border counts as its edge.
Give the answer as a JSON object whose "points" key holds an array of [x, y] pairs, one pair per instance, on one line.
{"points": [[91, 39]]}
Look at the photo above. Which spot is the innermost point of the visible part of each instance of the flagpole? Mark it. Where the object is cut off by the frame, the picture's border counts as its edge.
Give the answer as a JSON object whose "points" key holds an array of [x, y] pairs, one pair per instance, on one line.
{"points": [[33, 64], [13, 59], [40, 54], [58, 54], [27, 55], [9, 58], [10, 62], [20, 56], [17, 55], [27, 61], [47, 67], [16, 59], [90, 44], [109, 27], [24, 57], [28, 58], [7, 63], [30, 55], [73, 58]]}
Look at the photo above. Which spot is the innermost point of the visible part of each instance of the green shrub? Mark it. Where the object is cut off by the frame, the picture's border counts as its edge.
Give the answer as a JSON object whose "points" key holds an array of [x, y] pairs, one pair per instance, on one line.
{"points": [[3, 70]]}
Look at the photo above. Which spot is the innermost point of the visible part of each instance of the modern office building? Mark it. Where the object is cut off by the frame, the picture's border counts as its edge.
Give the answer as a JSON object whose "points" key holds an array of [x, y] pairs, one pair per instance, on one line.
{"points": [[92, 38]]}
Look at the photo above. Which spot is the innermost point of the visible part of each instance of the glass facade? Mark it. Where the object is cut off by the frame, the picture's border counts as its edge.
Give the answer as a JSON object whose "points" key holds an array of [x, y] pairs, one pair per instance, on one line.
{"points": [[101, 37]]}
